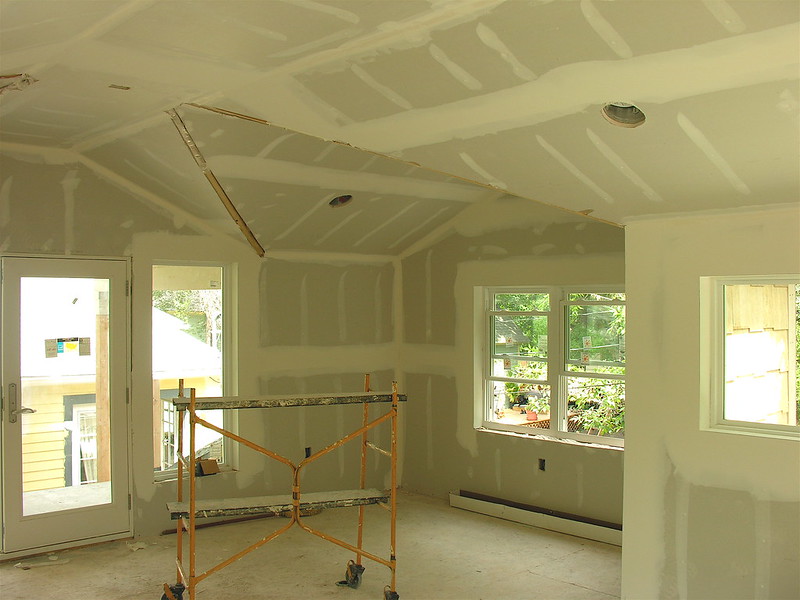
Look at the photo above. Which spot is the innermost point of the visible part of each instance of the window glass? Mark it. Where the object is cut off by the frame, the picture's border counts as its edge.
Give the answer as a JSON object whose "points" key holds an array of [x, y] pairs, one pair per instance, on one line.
{"points": [[570, 385], [596, 337], [187, 344], [761, 348], [522, 301]]}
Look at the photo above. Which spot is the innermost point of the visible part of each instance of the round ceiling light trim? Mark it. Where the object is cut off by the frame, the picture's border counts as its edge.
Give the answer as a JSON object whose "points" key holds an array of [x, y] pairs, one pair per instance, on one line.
{"points": [[623, 114], [340, 201]]}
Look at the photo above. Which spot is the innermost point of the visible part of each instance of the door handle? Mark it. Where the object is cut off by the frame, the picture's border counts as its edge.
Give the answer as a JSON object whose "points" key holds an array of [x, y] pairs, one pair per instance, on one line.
{"points": [[13, 411]]}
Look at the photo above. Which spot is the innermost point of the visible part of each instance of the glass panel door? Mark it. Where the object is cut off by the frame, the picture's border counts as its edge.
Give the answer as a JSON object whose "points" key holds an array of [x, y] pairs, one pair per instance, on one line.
{"points": [[65, 412]]}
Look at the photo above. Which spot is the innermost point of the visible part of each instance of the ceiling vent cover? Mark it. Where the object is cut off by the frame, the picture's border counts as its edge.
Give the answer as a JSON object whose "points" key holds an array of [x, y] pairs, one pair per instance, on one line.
{"points": [[623, 114]]}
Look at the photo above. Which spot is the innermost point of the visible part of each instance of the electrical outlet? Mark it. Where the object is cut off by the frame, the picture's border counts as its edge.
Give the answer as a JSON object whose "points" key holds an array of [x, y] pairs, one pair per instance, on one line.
{"points": [[541, 464], [308, 451]]}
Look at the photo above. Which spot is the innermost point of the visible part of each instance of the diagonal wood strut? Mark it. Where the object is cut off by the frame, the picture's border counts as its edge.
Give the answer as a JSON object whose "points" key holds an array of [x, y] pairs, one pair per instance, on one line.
{"points": [[212, 179]]}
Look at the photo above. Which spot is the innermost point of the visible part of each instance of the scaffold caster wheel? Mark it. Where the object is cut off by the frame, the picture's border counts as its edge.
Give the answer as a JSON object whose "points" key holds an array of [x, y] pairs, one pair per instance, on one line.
{"points": [[176, 590], [389, 594], [352, 576]]}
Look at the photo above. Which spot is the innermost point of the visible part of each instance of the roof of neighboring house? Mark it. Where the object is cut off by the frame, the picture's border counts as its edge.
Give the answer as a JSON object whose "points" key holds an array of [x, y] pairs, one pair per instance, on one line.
{"points": [[176, 353], [67, 312]]}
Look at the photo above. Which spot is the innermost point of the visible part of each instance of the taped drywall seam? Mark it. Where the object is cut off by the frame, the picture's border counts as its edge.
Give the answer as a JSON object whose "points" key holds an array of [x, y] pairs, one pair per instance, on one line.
{"points": [[482, 184], [5, 210], [341, 307], [429, 422], [422, 225], [605, 30], [428, 296], [331, 258], [493, 41], [304, 311], [763, 533], [383, 90], [377, 302], [69, 184], [569, 166], [201, 162], [706, 147], [386, 223], [681, 525], [726, 15], [457, 71], [624, 168], [154, 199]]}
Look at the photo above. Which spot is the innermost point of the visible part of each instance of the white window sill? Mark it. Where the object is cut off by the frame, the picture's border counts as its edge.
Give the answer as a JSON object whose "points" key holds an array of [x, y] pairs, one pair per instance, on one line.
{"points": [[551, 438], [172, 476]]}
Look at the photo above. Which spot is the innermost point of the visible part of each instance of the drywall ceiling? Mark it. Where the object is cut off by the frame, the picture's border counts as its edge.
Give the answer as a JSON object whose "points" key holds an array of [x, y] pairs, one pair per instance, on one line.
{"points": [[504, 94]]}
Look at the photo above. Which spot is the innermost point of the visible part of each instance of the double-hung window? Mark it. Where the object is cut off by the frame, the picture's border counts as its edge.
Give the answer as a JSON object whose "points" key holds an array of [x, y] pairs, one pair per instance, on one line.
{"points": [[553, 362]]}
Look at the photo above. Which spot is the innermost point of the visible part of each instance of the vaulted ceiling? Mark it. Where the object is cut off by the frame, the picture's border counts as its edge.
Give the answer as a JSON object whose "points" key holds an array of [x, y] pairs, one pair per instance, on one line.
{"points": [[416, 108]]}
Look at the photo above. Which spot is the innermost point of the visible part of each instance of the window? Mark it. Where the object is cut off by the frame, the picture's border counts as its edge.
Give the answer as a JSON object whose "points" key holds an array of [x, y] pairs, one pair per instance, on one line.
{"points": [[553, 362], [189, 322], [751, 344]]}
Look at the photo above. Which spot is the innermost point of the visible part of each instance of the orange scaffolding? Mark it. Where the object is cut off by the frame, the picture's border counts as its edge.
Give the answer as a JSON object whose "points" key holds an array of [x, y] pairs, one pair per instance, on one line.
{"points": [[296, 504]]}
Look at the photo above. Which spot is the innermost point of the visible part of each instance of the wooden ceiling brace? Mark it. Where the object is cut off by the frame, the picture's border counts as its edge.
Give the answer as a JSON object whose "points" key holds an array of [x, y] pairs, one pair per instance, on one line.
{"points": [[212, 179]]}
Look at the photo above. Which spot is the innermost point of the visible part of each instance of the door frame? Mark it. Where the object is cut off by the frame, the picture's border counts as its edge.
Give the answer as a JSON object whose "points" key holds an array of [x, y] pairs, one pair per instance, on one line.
{"points": [[127, 477]]}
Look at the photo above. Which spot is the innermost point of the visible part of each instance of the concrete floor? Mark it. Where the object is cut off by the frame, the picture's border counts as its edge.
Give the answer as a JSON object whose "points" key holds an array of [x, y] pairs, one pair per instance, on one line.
{"points": [[442, 553]]}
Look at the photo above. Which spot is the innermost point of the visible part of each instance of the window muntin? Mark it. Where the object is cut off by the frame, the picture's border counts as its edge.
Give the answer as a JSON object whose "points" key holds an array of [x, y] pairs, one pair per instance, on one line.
{"points": [[751, 328], [555, 362]]}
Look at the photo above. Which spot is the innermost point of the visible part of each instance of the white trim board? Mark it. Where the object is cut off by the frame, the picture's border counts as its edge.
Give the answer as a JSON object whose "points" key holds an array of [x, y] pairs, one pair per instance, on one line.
{"points": [[549, 522]]}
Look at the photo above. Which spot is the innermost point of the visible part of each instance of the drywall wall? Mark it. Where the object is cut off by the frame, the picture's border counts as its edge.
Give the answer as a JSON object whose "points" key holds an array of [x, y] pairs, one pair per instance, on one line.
{"points": [[707, 515], [67, 209], [300, 330], [444, 451]]}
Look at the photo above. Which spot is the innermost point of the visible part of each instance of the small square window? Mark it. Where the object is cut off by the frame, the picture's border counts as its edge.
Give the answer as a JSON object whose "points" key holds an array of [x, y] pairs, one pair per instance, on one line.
{"points": [[753, 351]]}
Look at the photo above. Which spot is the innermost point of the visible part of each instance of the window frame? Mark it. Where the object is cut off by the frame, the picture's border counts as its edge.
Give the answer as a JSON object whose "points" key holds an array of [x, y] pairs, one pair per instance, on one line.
{"points": [[712, 358], [230, 450], [557, 358]]}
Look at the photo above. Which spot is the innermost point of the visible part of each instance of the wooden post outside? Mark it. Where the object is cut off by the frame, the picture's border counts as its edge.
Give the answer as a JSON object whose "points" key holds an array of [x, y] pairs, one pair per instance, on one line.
{"points": [[157, 424], [102, 404]]}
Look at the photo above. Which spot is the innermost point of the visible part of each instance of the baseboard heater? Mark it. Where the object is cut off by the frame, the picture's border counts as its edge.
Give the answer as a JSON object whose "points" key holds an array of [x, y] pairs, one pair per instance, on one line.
{"points": [[553, 520]]}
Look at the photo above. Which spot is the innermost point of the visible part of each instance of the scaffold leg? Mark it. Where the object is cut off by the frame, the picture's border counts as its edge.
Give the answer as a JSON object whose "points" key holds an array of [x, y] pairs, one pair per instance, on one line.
{"points": [[390, 594]]}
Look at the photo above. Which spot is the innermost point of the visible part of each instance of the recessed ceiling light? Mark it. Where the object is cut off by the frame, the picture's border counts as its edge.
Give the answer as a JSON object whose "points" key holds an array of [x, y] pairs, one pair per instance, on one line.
{"points": [[623, 114], [340, 201]]}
